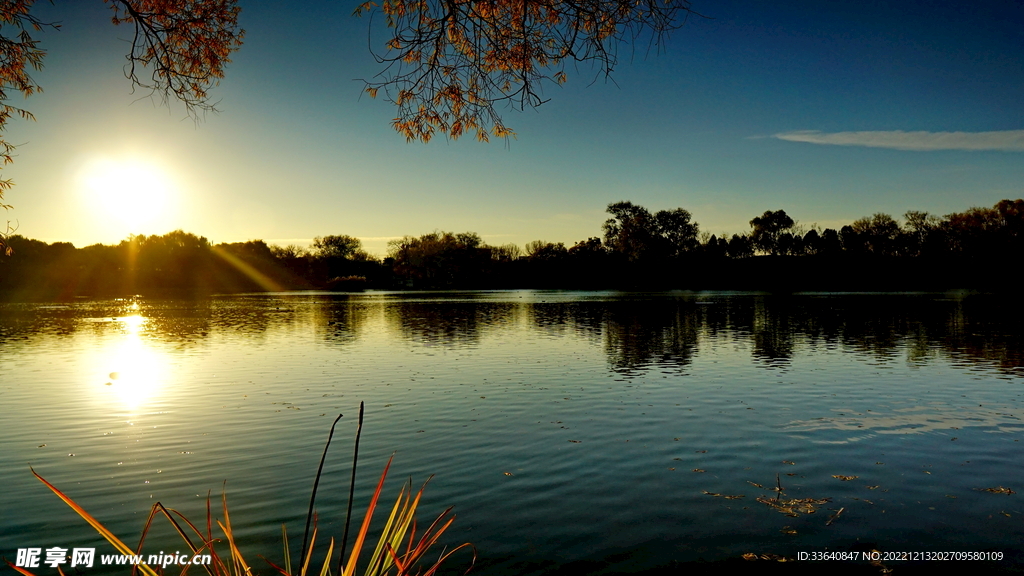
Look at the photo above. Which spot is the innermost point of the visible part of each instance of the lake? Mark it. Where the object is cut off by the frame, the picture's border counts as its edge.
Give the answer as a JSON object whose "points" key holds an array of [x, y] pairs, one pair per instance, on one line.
{"points": [[615, 432]]}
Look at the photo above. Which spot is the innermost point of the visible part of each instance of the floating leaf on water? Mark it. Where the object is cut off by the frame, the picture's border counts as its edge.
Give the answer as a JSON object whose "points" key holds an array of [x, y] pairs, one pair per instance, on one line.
{"points": [[787, 530], [41, 445], [701, 451], [711, 493], [698, 470], [755, 484], [575, 441], [791, 473], [508, 474], [793, 507], [1004, 513], [997, 490], [875, 487], [671, 468], [845, 478], [733, 496], [790, 462], [750, 556]]}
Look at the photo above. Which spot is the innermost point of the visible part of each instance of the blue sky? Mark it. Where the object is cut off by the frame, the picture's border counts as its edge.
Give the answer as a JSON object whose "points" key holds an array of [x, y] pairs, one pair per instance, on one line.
{"points": [[828, 111]]}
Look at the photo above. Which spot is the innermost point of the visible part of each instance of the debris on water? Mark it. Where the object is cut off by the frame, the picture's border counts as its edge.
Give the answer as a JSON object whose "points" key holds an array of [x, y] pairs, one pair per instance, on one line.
{"points": [[769, 556], [698, 470], [701, 451], [794, 507], [787, 530], [997, 490], [790, 462], [509, 474], [835, 516], [575, 441], [845, 478], [875, 487], [726, 496], [755, 484]]}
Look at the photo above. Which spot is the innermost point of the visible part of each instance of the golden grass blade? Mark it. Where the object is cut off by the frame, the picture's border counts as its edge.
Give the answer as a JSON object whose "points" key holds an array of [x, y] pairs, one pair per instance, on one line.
{"points": [[379, 562], [107, 534], [350, 568], [433, 569], [18, 568], [159, 507], [309, 552], [287, 552], [326, 570]]}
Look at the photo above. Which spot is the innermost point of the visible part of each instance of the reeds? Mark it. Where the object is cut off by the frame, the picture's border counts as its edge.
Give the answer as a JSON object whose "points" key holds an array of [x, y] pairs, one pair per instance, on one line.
{"points": [[401, 550]]}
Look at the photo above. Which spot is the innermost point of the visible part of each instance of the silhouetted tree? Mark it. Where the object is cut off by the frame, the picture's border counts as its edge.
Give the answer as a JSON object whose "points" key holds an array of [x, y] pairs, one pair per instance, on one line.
{"points": [[548, 251], [440, 259], [740, 246], [342, 246], [879, 234], [812, 242], [767, 228], [635, 233]]}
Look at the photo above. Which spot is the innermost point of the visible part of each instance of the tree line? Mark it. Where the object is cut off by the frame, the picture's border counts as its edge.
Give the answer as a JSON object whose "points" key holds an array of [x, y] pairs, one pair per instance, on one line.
{"points": [[638, 249]]}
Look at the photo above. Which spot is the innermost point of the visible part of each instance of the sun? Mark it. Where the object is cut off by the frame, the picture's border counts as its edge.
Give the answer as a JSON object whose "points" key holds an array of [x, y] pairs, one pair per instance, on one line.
{"points": [[135, 193]]}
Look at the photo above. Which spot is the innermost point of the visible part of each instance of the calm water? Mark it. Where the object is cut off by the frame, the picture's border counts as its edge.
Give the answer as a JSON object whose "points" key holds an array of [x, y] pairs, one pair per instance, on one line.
{"points": [[568, 429]]}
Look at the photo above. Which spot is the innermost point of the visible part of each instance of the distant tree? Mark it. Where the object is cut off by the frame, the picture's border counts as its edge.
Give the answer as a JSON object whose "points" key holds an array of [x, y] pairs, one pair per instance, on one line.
{"points": [[676, 230], [879, 234], [740, 246], [920, 232], [850, 240], [635, 233], [541, 250], [343, 246], [767, 228], [589, 248], [812, 242], [440, 259], [288, 252], [506, 253], [830, 242], [716, 248]]}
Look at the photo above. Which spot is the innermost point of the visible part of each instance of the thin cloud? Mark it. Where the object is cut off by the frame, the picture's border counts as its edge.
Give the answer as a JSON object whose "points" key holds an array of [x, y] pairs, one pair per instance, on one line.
{"points": [[1004, 140]]}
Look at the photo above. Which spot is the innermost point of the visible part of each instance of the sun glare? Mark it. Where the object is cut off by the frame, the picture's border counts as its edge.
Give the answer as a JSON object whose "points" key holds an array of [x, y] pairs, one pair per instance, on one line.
{"points": [[134, 193]]}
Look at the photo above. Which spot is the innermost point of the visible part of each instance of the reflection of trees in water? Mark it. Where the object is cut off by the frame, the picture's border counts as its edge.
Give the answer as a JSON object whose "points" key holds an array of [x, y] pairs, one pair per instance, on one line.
{"points": [[338, 320], [454, 324], [637, 331], [584, 319], [642, 333], [664, 332]]}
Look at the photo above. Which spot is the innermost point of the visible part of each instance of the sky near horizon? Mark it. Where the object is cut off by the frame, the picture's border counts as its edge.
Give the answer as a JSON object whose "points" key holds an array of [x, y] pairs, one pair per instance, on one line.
{"points": [[830, 111]]}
